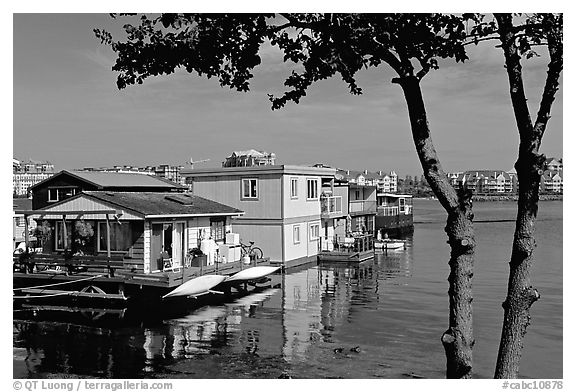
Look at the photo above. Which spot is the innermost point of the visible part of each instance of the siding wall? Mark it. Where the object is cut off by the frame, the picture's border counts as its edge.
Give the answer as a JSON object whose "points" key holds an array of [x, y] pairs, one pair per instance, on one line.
{"points": [[84, 203], [227, 190], [300, 206]]}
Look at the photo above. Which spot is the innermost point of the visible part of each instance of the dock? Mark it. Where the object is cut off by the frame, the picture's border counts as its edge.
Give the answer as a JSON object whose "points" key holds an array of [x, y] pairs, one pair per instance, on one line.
{"points": [[346, 249], [119, 287]]}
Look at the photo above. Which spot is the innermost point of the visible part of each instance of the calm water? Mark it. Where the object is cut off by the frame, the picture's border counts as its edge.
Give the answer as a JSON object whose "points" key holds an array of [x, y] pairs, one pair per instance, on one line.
{"points": [[393, 308]]}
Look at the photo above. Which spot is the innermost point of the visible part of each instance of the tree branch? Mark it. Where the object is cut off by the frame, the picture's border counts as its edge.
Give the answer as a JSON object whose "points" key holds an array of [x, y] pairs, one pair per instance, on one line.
{"points": [[555, 48], [514, 71]]}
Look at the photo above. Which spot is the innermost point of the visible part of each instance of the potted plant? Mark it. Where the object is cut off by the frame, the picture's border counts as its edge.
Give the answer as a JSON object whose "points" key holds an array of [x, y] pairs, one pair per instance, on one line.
{"points": [[198, 257], [83, 237]]}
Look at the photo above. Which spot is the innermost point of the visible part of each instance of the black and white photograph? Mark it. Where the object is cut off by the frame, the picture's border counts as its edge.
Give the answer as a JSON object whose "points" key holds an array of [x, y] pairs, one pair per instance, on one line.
{"points": [[291, 195]]}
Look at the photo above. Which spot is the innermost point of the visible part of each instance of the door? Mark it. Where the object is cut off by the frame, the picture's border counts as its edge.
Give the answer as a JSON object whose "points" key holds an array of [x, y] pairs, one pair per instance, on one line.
{"points": [[156, 247], [178, 245]]}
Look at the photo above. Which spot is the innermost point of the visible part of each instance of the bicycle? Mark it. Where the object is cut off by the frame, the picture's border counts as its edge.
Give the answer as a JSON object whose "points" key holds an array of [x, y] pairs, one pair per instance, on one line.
{"points": [[251, 251]]}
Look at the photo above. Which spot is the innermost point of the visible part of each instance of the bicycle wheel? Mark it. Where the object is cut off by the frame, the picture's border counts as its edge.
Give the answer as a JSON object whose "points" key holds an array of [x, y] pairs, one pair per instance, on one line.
{"points": [[256, 253]]}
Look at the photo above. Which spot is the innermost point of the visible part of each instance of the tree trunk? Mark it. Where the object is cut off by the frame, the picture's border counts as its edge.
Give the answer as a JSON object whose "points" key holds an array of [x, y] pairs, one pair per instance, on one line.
{"points": [[521, 295], [458, 340], [529, 167]]}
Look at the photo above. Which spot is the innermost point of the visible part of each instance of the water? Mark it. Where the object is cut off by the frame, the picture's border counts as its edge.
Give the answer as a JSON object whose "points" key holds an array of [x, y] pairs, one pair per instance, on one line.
{"points": [[394, 308]]}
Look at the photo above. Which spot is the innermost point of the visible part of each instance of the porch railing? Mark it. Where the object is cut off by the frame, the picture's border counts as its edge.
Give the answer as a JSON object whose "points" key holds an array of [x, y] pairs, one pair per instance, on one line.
{"points": [[330, 205], [394, 211], [368, 206], [353, 244]]}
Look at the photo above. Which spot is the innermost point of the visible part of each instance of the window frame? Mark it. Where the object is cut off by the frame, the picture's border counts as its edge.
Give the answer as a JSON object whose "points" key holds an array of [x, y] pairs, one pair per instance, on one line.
{"points": [[214, 223], [315, 195], [311, 226], [296, 239], [99, 248], [51, 200], [243, 196], [293, 187]]}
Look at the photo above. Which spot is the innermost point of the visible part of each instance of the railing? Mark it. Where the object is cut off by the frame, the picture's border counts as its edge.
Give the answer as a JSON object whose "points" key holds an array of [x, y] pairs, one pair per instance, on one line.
{"points": [[353, 244], [330, 204], [394, 211], [362, 206]]}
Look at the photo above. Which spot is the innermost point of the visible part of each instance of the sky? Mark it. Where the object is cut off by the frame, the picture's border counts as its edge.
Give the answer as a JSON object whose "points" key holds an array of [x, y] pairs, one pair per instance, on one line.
{"points": [[68, 110]]}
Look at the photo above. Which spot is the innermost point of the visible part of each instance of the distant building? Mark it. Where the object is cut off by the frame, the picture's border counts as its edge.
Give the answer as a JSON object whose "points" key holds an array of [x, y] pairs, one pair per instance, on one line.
{"points": [[170, 172], [554, 164], [551, 182], [484, 181], [249, 158], [384, 182], [26, 174]]}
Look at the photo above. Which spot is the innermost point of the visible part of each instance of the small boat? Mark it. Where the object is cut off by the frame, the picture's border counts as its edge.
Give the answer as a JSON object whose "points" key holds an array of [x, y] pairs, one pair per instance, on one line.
{"points": [[252, 274], [389, 244], [197, 286]]}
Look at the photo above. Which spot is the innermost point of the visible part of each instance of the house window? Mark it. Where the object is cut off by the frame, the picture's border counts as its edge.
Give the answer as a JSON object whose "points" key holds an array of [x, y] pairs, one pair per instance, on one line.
{"points": [[314, 231], [249, 188], [217, 229], [59, 234], [357, 195], [296, 234], [120, 237], [402, 204], [294, 188], [312, 189], [57, 194], [52, 194]]}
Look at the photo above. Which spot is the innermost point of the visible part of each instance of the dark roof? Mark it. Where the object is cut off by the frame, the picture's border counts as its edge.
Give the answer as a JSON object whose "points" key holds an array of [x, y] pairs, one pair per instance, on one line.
{"points": [[21, 203], [118, 180], [163, 203]]}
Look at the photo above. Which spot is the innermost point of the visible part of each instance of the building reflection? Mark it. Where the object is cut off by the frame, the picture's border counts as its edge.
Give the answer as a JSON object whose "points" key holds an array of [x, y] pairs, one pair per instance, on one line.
{"points": [[305, 309]]}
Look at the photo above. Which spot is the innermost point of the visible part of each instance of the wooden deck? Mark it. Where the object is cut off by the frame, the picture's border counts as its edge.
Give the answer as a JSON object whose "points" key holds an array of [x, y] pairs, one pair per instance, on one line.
{"points": [[92, 286], [175, 278], [346, 257], [347, 249]]}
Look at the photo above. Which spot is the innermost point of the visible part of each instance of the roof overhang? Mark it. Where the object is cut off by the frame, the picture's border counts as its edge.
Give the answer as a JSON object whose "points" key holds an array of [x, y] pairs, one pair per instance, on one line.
{"points": [[261, 170], [88, 214], [167, 216]]}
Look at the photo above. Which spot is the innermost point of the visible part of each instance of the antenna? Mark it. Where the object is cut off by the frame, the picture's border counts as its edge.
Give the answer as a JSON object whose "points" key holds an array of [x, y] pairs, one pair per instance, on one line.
{"points": [[191, 162]]}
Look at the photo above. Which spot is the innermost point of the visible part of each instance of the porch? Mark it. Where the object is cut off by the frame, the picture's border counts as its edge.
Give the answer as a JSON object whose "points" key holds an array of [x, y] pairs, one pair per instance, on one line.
{"points": [[358, 247]]}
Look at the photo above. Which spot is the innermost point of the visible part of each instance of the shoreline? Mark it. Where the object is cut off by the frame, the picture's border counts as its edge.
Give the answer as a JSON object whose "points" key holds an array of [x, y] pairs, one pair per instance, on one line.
{"points": [[502, 198]]}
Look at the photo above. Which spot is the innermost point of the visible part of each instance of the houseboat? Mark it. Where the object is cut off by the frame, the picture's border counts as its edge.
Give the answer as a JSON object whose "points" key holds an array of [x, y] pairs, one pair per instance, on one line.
{"points": [[348, 211], [394, 214], [282, 205], [123, 246]]}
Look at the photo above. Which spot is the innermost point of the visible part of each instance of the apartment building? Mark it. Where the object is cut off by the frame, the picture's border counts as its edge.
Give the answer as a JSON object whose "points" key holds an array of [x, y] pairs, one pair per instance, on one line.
{"points": [[27, 174]]}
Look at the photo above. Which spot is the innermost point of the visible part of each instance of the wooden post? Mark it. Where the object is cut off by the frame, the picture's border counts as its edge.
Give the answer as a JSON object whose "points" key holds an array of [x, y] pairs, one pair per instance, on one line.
{"points": [[26, 236], [64, 233], [110, 273]]}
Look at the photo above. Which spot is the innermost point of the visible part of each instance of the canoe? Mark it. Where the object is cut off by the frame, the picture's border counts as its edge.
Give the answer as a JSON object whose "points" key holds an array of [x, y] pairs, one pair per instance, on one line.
{"points": [[197, 286], [253, 273]]}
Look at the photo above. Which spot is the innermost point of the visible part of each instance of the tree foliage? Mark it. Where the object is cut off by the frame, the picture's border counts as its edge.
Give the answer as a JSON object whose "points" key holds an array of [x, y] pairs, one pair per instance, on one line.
{"points": [[320, 46]]}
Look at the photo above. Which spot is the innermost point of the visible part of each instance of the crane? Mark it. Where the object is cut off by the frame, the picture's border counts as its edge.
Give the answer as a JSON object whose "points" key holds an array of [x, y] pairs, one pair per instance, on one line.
{"points": [[191, 162]]}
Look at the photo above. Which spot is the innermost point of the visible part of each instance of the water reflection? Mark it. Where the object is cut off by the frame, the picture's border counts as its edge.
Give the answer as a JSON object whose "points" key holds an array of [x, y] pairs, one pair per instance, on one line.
{"points": [[311, 313]]}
